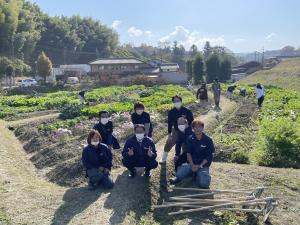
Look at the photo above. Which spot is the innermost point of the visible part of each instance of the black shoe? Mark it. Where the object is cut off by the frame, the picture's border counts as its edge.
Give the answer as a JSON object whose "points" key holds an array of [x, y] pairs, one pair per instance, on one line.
{"points": [[147, 173], [174, 181], [132, 173]]}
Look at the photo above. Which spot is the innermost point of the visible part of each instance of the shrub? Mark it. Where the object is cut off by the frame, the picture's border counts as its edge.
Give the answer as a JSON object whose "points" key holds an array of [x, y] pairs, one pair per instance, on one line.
{"points": [[240, 156], [278, 143], [71, 111]]}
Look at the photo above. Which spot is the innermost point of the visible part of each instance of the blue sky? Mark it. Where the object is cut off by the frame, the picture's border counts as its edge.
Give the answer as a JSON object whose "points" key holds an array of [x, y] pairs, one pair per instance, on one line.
{"points": [[242, 26]]}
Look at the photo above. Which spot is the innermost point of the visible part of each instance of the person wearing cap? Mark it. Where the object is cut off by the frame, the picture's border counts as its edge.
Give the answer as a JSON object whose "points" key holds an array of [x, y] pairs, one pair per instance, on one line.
{"points": [[105, 128], [202, 93], [200, 150], [139, 116], [216, 88], [177, 111], [139, 151], [260, 94], [97, 161], [181, 144]]}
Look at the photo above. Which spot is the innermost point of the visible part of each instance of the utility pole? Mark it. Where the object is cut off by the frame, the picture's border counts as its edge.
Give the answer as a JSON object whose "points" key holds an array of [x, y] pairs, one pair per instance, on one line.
{"points": [[64, 55], [263, 57], [12, 76]]}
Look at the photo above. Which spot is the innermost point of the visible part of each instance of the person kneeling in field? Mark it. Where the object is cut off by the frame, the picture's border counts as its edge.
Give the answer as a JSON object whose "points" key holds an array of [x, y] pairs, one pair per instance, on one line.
{"points": [[97, 160], [181, 143], [200, 150], [139, 151]]}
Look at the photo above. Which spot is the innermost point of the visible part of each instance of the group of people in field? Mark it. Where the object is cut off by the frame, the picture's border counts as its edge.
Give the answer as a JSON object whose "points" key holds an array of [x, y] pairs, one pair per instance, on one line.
{"points": [[193, 148], [202, 94]]}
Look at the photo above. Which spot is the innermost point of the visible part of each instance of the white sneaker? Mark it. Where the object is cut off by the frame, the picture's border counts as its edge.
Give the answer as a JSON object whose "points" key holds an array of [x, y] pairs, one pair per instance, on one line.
{"points": [[164, 158]]}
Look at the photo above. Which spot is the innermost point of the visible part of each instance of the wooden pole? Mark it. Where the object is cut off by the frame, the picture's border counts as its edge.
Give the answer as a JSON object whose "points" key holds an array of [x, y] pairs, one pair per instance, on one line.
{"points": [[198, 204], [195, 195], [229, 209], [198, 200], [219, 206], [222, 199], [216, 190]]}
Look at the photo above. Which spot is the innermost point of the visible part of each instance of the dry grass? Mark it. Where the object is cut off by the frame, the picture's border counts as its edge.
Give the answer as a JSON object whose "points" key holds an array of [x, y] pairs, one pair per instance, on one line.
{"points": [[285, 75]]}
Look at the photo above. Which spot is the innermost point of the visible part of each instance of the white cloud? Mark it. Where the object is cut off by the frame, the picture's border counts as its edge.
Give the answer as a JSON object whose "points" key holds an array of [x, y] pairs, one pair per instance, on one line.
{"points": [[239, 40], [115, 24], [187, 38], [271, 36], [134, 32], [148, 33]]}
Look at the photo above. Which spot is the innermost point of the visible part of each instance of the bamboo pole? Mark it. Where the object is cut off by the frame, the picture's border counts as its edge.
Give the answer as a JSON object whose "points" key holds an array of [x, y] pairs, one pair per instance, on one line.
{"points": [[229, 209], [216, 190], [194, 195], [198, 200], [179, 198], [219, 206], [179, 204]]}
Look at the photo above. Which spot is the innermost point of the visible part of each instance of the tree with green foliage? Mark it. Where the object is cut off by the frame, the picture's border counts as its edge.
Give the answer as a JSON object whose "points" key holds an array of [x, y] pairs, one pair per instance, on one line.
{"points": [[198, 69], [178, 53], [189, 68], [212, 68], [207, 50], [225, 70], [44, 66], [193, 50]]}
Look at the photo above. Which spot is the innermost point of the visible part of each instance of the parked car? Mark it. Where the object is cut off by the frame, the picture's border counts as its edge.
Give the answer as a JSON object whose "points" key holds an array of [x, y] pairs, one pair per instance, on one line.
{"points": [[72, 80], [27, 82]]}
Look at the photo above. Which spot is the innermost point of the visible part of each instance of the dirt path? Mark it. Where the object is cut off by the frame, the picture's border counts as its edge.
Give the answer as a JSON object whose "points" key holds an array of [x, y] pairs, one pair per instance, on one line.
{"points": [[29, 199]]}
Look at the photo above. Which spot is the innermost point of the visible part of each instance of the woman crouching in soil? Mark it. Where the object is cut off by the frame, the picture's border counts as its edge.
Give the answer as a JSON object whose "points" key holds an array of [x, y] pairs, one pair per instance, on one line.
{"points": [[97, 160]]}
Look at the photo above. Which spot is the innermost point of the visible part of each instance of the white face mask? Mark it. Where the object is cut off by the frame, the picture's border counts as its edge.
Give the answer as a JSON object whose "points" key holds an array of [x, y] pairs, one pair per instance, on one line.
{"points": [[140, 137], [95, 143], [177, 104], [181, 127], [104, 120], [139, 111]]}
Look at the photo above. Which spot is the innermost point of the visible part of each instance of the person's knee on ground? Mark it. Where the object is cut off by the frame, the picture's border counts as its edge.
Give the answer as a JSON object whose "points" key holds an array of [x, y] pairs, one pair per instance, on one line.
{"points": [[203, 179], [183, 171]]}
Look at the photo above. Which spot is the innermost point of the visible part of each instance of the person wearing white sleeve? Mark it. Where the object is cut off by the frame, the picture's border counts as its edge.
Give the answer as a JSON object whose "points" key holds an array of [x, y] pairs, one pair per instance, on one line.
{"points": [[260, 94]]}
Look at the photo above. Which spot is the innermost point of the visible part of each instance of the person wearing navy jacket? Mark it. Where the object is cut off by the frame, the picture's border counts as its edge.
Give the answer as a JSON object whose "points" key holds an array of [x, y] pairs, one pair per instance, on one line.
{"points": [[97, 160], [185, 131], [139, 116], [173, 115], [139, 151], [200, 150], [105, 128]]}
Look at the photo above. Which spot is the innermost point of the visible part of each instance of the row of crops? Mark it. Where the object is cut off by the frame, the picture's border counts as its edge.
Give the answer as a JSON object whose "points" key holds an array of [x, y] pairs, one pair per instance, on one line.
{"points": [[113, 99]]}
